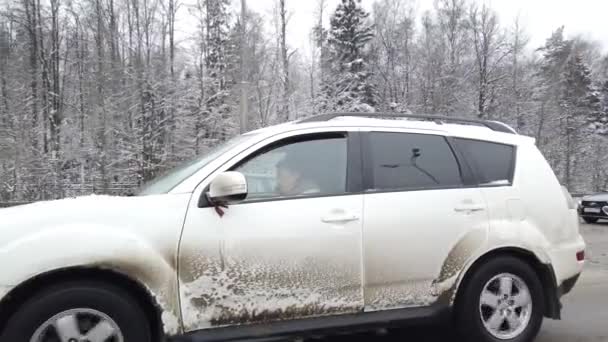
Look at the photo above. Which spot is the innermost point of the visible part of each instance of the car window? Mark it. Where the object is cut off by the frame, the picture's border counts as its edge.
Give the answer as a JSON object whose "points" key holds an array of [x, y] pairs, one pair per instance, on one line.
{"points": [[412, 161], [493, 161], [312, 167]]}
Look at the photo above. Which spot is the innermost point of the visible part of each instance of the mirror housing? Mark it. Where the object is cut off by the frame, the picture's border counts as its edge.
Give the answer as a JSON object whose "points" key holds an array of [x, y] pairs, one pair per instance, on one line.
{"points": [[227, 188]]}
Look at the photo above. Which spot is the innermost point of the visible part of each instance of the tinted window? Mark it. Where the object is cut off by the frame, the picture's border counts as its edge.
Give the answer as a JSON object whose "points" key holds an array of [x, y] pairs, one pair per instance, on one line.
{"points": [[493, 162], [303, 168], [412, 161]]}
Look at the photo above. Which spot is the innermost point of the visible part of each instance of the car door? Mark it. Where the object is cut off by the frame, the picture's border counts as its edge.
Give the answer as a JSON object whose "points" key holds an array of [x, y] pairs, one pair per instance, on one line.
{"points": [[423, 217], [494, 166], [278, 255]]}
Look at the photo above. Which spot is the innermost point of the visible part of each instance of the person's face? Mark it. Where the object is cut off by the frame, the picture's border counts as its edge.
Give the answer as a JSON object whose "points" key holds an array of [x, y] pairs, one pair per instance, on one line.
{"points": [[287, 179]]}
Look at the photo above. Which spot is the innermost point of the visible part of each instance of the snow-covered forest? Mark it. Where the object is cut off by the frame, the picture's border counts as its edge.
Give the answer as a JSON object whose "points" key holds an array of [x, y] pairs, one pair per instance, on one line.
{"points": [[102, 95]]}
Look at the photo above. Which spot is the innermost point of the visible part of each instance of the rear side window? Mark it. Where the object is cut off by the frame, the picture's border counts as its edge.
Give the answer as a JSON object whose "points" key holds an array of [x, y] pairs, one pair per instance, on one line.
{"points": [[494, 163], [402, 161]]}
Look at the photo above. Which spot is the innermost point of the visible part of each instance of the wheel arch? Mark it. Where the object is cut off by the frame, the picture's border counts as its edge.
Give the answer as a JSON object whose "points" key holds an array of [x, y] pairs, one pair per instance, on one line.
{"points": [[545, 272], [19, 295]]}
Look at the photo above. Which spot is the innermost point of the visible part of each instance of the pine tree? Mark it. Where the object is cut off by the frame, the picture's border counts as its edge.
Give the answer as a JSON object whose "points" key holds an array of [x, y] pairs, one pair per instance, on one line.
{"points": [[599, 123], [579, 102], [218, 124], [549, 81], [348, 87]]}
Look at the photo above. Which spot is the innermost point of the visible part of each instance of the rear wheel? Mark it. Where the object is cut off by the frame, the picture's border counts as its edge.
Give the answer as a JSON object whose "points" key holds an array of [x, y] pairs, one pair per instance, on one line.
{"points": [[590, 219], [502, 301], [76, 312]]}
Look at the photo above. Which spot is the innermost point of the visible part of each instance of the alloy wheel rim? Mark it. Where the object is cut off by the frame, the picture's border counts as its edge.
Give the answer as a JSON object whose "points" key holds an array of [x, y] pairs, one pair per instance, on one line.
{"points": [[79, 325], [505, 306]]}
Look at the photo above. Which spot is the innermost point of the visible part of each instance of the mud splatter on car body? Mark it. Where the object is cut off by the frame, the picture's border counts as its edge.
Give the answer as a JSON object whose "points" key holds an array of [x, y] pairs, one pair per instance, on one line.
{"points": [[241, 291]]}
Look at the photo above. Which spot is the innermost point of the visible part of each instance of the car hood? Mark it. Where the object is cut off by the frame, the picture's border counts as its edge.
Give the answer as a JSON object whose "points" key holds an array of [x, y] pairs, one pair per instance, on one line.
{"points": [[138, 214], [597, 198]]}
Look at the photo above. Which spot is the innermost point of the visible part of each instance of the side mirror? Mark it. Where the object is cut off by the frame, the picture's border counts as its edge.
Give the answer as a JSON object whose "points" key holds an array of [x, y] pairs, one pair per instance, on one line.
{"points": [[227, 188]]}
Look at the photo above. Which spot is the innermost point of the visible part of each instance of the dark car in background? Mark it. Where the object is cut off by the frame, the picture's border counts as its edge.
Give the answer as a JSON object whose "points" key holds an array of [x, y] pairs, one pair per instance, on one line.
{"points": [[594, 207]]}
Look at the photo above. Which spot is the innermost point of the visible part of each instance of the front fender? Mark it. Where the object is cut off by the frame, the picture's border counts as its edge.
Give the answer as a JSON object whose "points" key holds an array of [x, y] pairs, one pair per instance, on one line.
{"points": [[96, 246]]}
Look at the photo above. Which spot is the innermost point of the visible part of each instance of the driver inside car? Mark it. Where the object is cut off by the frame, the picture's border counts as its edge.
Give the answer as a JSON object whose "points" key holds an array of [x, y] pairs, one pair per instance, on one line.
{"points": [[292, 179]]}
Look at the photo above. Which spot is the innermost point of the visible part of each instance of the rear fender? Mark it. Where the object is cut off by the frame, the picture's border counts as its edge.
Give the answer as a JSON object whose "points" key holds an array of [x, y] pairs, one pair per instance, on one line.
{"points": [[479, 243]]}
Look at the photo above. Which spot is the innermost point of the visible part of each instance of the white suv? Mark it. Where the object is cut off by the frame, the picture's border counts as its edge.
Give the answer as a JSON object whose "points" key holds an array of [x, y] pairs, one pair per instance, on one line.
{"points": [[317, 225]]}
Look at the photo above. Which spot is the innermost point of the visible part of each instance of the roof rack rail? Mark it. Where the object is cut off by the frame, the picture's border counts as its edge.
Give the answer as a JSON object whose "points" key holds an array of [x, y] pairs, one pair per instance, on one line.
{"points": [[493, 125]]}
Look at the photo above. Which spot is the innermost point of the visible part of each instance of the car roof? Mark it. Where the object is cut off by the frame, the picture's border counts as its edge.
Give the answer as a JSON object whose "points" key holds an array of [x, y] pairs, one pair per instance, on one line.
{"points": [[463, 130]]}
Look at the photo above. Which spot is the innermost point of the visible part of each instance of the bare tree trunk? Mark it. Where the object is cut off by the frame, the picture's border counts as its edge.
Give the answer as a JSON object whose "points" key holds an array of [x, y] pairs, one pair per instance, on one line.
{"points": [[541, 124], [55, 117], [173, 4], [244, 63], [408, 59], [172, 97], [102, 137], [32, 24], [568, 155], [5, 56], [484, 27], [284, 108], [46, 84], [80, 57]]}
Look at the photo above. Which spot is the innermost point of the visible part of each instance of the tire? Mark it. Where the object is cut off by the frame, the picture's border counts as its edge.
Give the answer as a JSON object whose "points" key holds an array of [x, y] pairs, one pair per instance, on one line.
{"points": [[96, 297], [470, 314], [590, 220]]}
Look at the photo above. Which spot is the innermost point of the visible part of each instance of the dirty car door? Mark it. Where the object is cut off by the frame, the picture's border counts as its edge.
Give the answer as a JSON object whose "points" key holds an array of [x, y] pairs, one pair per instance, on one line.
{"points": [[277, 256], [413, 254]]}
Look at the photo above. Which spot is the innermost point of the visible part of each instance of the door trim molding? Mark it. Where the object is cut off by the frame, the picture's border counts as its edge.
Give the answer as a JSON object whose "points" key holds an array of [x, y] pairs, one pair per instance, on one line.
{"points": [[318, 325]]}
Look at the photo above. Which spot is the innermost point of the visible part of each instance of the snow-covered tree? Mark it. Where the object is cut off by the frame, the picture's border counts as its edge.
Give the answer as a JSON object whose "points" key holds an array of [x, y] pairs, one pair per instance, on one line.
{"points": [[549, 82], [599, 122], [348, 86], [393, 49], [491, 49], [579, 102], [101, 95], [217, 124], [453, 91]]}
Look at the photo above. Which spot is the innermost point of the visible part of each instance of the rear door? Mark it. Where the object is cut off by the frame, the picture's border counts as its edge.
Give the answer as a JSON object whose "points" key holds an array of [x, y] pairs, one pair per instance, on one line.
{"points": [[494, 166], [423, 215]]}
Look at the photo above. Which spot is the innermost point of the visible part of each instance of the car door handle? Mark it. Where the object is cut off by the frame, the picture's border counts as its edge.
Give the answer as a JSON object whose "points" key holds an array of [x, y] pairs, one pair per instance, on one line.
{"points": [[339, 218], [469, 208]]}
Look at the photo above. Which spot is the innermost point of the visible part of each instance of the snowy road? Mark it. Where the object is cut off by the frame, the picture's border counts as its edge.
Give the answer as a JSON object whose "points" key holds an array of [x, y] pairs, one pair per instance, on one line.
{"points": [[585, 313]]}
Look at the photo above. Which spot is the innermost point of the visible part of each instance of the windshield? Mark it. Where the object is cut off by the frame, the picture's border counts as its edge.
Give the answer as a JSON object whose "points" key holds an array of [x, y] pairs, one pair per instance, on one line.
{"points": [[166, 182]]}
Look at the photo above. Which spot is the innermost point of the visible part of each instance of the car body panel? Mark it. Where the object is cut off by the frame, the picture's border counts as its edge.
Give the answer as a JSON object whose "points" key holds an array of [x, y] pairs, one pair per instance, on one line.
{"points": [[602, 197], [268, 261], [399, 274], [99, 232]]}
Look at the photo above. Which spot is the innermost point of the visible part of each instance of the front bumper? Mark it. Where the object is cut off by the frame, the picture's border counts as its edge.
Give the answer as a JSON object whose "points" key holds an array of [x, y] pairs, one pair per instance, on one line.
{"points": [[600, 209]]}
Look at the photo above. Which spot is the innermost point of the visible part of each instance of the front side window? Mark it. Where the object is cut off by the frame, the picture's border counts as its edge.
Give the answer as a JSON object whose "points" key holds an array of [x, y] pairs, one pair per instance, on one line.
{"points": [[493, 162], [404, 161], [313, 166]]}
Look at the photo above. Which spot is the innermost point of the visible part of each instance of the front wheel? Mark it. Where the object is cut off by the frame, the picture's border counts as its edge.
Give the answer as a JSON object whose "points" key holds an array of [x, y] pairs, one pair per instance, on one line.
{"points": [[79, 311], [502, 301]]}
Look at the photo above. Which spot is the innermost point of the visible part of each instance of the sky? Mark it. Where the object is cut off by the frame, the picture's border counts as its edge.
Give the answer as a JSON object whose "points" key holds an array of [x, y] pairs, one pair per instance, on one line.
{"points": [[539, 17]]}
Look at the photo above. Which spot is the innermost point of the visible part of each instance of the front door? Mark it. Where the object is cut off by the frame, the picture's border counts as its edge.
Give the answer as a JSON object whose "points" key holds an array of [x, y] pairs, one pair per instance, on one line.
{"points": [[291, 250]]}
